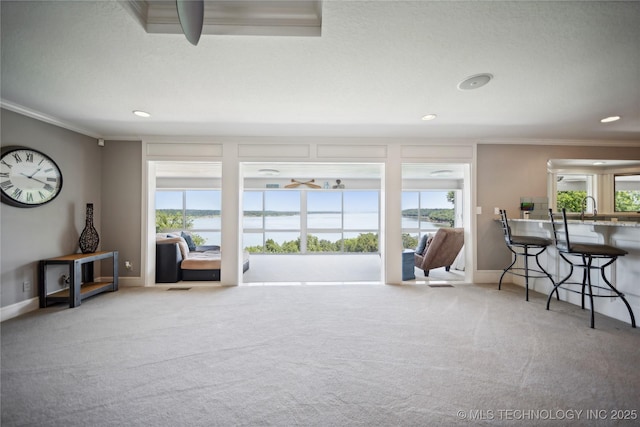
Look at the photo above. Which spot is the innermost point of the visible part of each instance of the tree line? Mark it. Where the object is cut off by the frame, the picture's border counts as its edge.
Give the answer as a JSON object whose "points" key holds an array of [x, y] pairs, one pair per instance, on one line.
{"points": [[365, 242], [625, 201]]}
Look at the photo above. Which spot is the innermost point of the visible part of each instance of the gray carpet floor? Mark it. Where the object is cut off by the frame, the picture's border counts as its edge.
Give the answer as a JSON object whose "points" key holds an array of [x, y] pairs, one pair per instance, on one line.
{"points": [[368, 355]]}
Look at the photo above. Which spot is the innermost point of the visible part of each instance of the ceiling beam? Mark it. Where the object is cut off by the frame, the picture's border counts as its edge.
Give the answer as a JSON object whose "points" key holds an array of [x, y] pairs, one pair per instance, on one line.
{"points": [[252, 18]]}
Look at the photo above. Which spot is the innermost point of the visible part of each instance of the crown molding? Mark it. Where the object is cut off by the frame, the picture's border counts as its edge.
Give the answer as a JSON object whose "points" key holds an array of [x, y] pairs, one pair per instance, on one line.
{"points": [[560, 141], [17, 108]]}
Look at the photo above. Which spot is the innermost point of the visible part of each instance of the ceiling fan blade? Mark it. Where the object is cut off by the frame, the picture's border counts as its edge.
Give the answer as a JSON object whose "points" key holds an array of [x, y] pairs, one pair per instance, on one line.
{"points": [[191, 16]]}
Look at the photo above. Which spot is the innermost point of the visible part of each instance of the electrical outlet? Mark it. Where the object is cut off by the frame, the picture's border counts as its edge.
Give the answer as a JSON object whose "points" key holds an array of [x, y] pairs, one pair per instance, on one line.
{"points": [[496, 211], [26, 286], [128, 265]]}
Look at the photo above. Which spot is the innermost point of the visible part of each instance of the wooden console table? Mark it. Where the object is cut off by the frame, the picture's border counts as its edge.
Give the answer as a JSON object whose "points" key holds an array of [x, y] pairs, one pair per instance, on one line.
{"points": [[81, 281]]}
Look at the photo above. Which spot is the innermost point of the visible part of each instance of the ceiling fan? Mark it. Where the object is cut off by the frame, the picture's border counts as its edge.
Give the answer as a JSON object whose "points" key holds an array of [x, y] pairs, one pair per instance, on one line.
{"points": [[191, 16]]}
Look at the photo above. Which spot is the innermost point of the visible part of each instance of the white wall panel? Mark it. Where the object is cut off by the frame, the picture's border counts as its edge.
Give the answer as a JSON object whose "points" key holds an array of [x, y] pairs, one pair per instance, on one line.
{"points": [[273, 151], [435, 152], [352, 151], [183, 150]]}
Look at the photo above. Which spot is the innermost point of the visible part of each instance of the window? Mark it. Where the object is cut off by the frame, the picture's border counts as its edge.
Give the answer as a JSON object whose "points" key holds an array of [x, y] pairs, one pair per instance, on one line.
{"points": [[627, 193], [424, 212], [571, 191], [345, 221], [294, 221], [324, 222], [195, 211], [271, 221]]}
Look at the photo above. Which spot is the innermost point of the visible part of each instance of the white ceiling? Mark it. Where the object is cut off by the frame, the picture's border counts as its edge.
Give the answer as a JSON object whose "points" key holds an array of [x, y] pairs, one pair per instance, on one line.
{"points": [[378, 67]]}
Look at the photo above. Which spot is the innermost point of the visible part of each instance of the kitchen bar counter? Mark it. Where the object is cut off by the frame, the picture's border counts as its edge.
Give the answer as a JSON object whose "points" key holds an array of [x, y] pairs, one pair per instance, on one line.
{"points": [[624, 272], [587, 221]]}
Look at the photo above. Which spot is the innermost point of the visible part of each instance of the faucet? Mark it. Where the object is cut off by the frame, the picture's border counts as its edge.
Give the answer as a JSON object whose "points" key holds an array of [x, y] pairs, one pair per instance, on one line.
{"points": [[584, 207]]}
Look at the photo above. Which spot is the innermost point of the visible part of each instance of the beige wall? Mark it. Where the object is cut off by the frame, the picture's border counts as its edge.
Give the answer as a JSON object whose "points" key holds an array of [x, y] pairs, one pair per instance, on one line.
{"points": [[122, 203], [51, 230], [508, 172], [111, 178]]}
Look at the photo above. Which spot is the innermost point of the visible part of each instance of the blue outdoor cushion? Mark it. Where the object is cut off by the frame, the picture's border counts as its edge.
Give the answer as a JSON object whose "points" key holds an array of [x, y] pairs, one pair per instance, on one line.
{"points": [[422, 245], [187, 238]]}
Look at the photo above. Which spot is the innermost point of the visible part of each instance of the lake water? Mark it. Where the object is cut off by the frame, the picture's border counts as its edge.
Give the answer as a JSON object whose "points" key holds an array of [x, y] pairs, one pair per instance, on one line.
{"points": [[354, 224]]}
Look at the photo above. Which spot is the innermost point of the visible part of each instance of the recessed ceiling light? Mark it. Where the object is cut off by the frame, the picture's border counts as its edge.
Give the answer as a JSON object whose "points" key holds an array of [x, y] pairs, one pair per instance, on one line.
{"points": [[140, 113], [442, 172], [429, 117], [610, 119], [475, 82]]}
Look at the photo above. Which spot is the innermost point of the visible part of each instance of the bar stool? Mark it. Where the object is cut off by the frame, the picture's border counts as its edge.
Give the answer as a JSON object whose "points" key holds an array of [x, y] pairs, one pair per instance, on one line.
{"points": [[521, 246], [582, 256]]}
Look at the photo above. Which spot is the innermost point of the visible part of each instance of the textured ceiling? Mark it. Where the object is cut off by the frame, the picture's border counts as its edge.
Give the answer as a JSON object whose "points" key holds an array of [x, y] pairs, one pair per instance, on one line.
{"points": [[377, 68]]}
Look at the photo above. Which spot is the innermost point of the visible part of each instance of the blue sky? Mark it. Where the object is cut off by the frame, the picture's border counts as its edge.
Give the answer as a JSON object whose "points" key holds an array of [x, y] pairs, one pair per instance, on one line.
{"points": [[196, 199], [429, 200]]}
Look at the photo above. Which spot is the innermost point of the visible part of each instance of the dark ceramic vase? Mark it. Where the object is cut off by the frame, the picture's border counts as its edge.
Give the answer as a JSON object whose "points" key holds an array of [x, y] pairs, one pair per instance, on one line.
{"points": [[89, 238]]}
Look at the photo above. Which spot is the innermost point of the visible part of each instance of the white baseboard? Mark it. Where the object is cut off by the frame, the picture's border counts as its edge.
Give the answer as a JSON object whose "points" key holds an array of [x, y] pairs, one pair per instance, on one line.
{"points": [[32, 304], [22, 307]]}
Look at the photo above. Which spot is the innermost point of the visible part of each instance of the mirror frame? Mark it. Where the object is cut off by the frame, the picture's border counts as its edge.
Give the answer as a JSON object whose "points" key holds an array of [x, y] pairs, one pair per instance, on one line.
{"points": [[603, 172]]}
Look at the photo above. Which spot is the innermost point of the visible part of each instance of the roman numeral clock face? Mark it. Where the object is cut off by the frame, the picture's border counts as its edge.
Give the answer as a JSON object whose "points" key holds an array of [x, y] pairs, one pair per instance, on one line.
{"points": [[28, 178]]}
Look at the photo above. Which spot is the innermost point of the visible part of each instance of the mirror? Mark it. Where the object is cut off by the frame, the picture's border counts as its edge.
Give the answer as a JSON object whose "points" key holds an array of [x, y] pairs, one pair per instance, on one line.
{"points": [[613, 184]]}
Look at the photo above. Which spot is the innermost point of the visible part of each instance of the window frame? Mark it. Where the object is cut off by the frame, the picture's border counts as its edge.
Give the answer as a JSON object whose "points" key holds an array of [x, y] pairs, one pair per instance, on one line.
{"points": [[217, 231], [412, 235], [615, 191], [305, 231]]}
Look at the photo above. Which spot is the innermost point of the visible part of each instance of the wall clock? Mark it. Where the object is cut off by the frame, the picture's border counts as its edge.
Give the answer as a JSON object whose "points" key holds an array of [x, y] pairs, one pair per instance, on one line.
{"points": [[28, 178]]}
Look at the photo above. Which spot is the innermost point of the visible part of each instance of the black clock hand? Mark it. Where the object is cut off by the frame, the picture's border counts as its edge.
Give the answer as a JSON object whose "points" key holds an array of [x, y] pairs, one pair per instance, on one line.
{"points": [[31, 177]]}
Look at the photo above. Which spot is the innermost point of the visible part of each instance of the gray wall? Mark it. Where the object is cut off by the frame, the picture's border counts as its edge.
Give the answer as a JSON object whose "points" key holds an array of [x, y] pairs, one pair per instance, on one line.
{"points": [[110, 177], [29, 235], [508, 172], [122, 204]]}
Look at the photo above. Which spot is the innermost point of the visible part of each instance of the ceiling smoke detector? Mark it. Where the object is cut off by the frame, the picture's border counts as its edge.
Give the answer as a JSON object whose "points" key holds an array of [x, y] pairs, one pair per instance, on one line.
{"points": [[475, 82]]}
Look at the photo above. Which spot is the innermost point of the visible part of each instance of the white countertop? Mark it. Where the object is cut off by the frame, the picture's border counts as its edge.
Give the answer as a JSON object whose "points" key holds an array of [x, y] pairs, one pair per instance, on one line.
{"points": [[587, 221]]}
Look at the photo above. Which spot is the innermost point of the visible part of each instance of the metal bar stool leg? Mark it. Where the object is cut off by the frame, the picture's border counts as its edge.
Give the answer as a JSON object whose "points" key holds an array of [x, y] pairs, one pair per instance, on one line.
{"points": [[526, 273], [617, 292], [543, 270], [588, 274], [557, 285], [515, 258]]}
